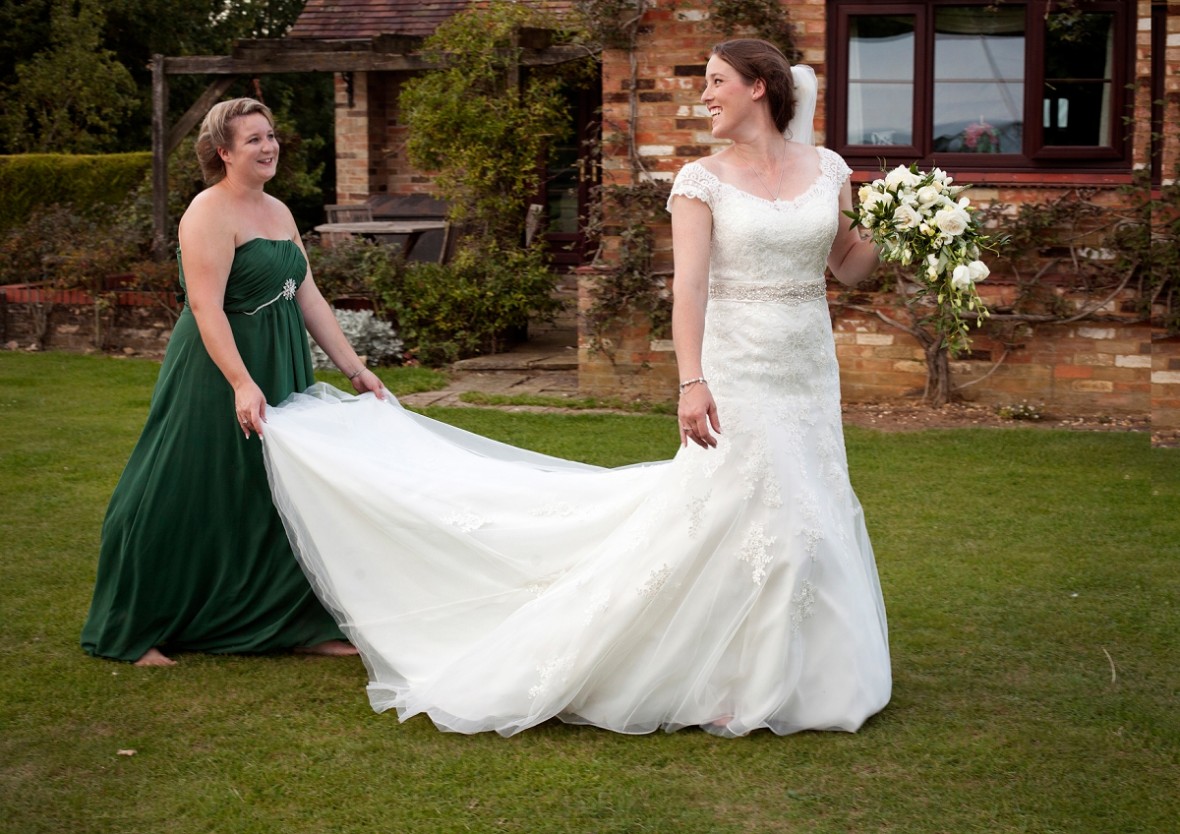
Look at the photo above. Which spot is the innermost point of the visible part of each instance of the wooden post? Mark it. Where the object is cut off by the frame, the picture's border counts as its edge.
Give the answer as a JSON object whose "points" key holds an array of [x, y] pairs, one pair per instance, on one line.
{"points": [[159, 159]]}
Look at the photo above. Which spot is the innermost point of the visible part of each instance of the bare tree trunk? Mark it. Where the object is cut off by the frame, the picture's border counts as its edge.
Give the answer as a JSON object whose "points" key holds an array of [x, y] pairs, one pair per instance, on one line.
{"points": [[938, 373]]}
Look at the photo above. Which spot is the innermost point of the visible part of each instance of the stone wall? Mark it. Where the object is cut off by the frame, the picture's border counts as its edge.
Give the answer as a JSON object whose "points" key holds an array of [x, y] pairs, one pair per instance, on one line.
{"points": [[130, 322]]}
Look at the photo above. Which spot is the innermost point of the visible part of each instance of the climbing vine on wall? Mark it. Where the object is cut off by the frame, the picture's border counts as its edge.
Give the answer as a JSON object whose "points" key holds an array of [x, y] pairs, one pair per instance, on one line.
{"points": [[479, 124], [629, 211], [629, 288], [766, 19]]}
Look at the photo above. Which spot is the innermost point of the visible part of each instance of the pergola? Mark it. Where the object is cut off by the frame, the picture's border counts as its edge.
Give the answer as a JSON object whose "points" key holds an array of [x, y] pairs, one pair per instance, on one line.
{"points": [[384, 53]]}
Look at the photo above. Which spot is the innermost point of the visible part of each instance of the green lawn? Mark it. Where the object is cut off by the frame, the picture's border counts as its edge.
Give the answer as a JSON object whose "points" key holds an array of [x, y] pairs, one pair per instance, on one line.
{"points": [[1033, 590]]}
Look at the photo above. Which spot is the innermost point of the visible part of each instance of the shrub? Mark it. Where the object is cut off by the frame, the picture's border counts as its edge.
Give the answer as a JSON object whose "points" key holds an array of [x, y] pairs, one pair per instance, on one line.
{"points": [[59, 245], [352, 267], [471, 305], [373, 339], [89, 183], [1023, 410]]}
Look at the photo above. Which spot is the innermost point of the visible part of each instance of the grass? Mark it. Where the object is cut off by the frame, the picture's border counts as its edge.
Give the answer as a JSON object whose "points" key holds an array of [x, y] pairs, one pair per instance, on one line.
{"points": [[1032, 585], [571, 403]]}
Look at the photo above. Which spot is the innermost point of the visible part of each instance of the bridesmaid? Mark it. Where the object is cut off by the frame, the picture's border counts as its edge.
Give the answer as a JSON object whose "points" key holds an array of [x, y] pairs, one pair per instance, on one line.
{"points": [[194, 556]]}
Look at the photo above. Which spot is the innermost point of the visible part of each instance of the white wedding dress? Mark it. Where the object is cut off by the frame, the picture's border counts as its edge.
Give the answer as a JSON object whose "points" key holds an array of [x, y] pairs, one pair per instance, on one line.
{"points": [[492, 588]]}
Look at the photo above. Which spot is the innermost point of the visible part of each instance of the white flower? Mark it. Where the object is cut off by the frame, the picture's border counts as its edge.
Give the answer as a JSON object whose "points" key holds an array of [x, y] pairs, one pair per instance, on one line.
{"points": [[928, 195], [961, 277], [905, 217], [952, 221], [978, 270], [901, 176], [876, 199]]}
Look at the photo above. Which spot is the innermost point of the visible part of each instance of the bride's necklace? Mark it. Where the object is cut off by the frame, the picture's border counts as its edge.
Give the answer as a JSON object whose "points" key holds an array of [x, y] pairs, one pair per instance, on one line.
{"points": [[778, 186]]}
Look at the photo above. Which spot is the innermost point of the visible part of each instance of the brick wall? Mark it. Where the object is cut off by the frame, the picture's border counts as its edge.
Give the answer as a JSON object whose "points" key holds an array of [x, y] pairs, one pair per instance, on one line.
{"points": [[1082, 367], [1165, 384], [371, 141], [1105, 366], [353, 149], [1171, 149]]}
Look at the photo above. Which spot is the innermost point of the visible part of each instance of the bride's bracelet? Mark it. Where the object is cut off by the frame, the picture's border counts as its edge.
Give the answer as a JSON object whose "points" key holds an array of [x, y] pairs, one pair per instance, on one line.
{"points": [[688, 383]]}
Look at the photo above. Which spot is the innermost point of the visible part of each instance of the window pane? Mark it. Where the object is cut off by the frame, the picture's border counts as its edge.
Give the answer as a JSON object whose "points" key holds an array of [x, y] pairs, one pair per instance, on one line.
{"points": [[978, 79], [561, 190], [1079, 63], [881, 80]]}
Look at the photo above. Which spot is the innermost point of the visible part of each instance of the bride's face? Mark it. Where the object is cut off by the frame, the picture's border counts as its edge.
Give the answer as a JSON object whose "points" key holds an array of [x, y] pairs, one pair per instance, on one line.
{"points": [[729, 98]]}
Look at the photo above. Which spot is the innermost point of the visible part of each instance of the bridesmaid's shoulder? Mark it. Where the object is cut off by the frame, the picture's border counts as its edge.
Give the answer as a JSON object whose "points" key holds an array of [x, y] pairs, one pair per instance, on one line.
{"points": [[207, 213]]}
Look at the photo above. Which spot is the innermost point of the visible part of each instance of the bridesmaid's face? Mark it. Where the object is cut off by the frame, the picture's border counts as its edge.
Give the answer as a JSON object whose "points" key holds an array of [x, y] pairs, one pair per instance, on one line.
{"points": [[255, 151], [728, 96]]}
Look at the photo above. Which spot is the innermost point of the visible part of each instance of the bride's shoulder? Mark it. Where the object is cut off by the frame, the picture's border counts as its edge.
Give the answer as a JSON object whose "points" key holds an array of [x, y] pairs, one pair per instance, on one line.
{"points": [[833, 165], [698, 180], [705, 168]]}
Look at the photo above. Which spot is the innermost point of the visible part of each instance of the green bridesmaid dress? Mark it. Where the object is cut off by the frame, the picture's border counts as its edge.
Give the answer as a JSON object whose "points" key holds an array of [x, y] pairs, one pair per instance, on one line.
{"points": [[194, 556]]}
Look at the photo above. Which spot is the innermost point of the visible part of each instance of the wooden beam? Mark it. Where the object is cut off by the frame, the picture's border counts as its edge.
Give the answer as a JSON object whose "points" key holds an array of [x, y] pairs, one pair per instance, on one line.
{"points": [[287, 59], [196, 113], [385, 53]]}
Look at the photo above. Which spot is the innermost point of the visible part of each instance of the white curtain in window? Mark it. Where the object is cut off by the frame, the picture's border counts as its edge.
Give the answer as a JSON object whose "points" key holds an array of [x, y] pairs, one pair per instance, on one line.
{"points": [[1104, 134], [856, 110]]}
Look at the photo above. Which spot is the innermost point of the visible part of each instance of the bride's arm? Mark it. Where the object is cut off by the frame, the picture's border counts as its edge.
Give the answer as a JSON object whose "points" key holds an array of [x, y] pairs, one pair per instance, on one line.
{"points": [[852, 258], [692, 232]]}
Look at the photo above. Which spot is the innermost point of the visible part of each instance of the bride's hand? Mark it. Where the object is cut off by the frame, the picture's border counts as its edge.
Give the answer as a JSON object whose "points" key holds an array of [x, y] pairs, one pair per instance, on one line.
{"points": [[697, 414]]}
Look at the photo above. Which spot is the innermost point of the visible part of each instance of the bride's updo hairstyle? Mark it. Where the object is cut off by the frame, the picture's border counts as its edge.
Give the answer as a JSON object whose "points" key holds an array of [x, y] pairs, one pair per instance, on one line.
{"points": [[754, 59], [217, 131]]}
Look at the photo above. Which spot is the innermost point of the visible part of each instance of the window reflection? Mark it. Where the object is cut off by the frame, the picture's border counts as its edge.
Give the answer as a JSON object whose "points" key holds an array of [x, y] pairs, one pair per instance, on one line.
{"points": [[1079, 66], [978, 80], [881, 80]]}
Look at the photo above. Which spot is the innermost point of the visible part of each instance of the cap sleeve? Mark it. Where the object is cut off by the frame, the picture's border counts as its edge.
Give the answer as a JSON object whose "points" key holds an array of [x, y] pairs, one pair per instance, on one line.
{"points": [[695, 182], [833, 166]]}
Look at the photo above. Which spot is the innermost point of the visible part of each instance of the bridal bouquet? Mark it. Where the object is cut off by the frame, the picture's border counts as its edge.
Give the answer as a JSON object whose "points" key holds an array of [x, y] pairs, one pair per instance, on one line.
{"points": [[920, 219]]}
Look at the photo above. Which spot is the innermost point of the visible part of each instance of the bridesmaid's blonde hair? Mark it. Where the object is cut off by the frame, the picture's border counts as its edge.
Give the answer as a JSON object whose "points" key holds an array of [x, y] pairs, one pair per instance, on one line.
{"points": [[217, 131]]}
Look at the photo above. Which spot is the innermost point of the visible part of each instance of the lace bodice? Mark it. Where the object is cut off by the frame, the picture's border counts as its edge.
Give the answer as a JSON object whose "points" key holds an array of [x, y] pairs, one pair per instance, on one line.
{"points": [[780, 247]]}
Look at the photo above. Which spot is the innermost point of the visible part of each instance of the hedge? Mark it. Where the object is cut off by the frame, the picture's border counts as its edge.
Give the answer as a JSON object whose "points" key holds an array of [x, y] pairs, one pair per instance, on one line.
{"points": [[84, 181]]}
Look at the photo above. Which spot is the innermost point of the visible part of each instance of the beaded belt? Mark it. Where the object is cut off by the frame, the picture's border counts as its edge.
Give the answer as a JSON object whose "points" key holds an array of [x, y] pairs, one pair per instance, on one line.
{"points": [[774, 293]]}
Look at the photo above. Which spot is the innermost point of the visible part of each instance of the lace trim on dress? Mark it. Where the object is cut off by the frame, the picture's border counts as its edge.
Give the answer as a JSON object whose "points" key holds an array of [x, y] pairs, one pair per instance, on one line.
{"points": [[774, 293], [833, 167], [695, 182]]}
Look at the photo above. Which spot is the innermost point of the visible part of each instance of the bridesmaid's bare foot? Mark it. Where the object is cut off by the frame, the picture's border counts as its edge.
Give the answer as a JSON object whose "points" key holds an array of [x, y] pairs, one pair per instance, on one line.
{"points": [[329, 648], [155, 657]]}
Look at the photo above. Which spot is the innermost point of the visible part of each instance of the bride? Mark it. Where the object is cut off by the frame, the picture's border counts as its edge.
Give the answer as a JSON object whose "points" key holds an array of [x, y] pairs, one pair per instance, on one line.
{"points": [[732, 588]]}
